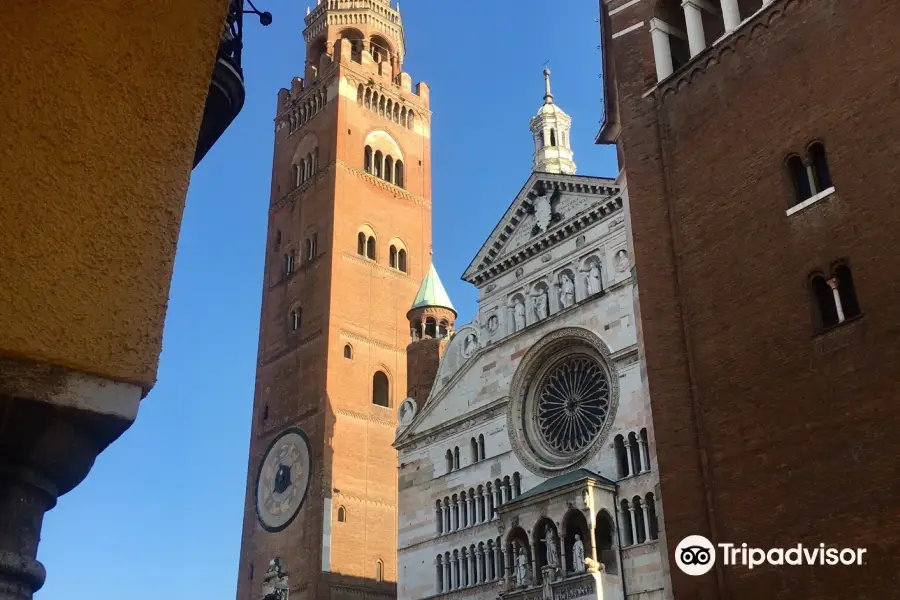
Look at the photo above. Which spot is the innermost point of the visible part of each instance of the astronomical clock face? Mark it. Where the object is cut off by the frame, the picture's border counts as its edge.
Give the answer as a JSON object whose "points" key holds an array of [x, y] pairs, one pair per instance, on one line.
{"points": [[283, 480]]}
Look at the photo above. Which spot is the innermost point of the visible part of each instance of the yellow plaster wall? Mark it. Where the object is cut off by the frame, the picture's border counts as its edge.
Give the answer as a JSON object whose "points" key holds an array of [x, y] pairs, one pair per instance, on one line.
{"points": [[100, 105]]}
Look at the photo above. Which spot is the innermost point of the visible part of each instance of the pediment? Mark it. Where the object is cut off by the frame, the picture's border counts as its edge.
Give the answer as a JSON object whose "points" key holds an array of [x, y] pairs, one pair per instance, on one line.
{"points": [[548, 203]]}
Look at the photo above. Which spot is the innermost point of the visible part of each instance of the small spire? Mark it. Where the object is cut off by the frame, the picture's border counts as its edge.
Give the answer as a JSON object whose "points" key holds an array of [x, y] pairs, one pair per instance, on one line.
{"points": [[307, 11], [548, 97]]}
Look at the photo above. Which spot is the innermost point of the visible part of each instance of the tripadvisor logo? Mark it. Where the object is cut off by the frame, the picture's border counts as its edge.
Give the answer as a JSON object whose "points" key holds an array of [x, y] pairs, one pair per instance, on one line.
{"points": [[695, 555]]}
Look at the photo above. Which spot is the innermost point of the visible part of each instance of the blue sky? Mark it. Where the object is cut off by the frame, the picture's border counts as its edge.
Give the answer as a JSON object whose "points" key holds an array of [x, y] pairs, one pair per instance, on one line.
{"points": [[159, 516]]}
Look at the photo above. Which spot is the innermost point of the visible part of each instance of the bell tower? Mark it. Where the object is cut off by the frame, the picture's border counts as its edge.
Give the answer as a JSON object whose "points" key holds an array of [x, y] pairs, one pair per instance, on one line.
{"points": [[349, 240]]}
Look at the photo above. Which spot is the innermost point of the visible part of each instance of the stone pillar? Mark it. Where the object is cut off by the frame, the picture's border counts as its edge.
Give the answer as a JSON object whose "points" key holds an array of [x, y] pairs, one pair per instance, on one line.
{"points": [[833, 284], [473, 569], [455, 570], [562, 557], [731, 15], [646, 512], [535, 573], [470, 509], [479, 564], [439, 520], [454, 516], [482, 507], [499, 562], [463, 513], [505, 489], [438, 574], [634, 535], [446, 515], [496, 503], [448, 581], [627, 443], [503, 570], [26, 497], [662, 51], [593, 540], [693, 18], [642, 466]]}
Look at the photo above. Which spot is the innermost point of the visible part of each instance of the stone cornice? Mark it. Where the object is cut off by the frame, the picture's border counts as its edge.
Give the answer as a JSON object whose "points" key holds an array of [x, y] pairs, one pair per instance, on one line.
{"points": [[267, 360], [712, 55], [482, 268], [349, 335], [400, 275], [301, 189], [363, 417], [448, 428], [337, 496], [398, 192]]}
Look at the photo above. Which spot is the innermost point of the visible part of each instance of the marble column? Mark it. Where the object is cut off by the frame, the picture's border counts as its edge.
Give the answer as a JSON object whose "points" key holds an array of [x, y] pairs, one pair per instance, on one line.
{"points": [[473, 569], [482, 507], [693, 18], [592, 531], [833, 284], [479, 570], [455, 569], [454, 516], [503, 568], [642, 466], [646, 512], [634, 531], [463, 513], [628, 452], [470, 509], [446, 514], [731, 15], [499, 562], [448, 581], [662, 51], [505, 489]]}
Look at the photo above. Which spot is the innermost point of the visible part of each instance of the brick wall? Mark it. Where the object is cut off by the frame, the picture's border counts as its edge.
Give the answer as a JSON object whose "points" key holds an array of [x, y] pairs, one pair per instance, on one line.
{"points": [[765, 433]]}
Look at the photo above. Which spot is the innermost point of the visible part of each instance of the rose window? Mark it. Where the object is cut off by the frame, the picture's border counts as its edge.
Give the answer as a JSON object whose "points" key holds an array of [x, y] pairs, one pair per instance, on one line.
{"points": [[563, 402], [572, 404]]}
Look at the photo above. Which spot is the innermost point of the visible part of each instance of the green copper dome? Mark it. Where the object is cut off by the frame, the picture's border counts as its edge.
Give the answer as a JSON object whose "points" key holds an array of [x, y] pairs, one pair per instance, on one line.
{"points": [[432, 292]]}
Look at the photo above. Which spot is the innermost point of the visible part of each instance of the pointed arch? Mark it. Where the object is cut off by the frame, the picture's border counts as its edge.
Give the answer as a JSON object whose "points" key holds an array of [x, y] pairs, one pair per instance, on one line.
{"points": [[398, 173]]}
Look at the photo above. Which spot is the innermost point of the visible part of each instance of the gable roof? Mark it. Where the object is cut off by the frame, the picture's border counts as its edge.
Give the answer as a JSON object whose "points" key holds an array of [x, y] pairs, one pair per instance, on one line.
{"points": [[561, 481], [496, 254], [432, 292]]}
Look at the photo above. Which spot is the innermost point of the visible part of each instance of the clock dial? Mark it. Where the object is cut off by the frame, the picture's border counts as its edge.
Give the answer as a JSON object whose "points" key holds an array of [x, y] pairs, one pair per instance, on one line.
{"points": [[283, 480]]}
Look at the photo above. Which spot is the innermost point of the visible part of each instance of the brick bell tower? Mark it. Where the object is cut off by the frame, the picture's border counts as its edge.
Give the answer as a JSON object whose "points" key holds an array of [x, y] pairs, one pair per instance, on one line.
{"points": [[349, 241]]}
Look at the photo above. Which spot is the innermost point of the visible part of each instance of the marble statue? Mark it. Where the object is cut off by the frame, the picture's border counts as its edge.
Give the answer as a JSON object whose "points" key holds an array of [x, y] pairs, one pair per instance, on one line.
{"points": [[566, 291], [594, 284], [550, 542], [578, 555], [540, 304], [621, 260], [520, 315], [470, 345], [522, 569]]}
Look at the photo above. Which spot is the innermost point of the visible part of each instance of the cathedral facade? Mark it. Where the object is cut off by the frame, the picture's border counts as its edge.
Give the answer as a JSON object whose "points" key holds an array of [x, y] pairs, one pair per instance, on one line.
{"points": [[526, 455]]}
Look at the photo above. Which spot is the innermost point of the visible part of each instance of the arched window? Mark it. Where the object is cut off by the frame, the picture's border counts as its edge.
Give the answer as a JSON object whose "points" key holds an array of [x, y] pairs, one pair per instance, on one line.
{"points": [[381, 104], [302, 170], [652, 522], [846, 291], [296, 318], [456, 457], [516, 480], [392, 258], [295, 175], [621, 456], [481, 446], [410, 119], [636, 458], [430, 327], [401, 260], [370, 248], [398, 173], [449, 457], [315, 160], [443, 329], [367, 159], [380, 386], [379, 160], [552, 137], [288, 263], [360, 92], [342, 514], [368, 100], [379, 571], [313, 246], [348, 351], [403, 116], [389, 169], [603, 540], [821, 173], [474, 444], [361, 244]]}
